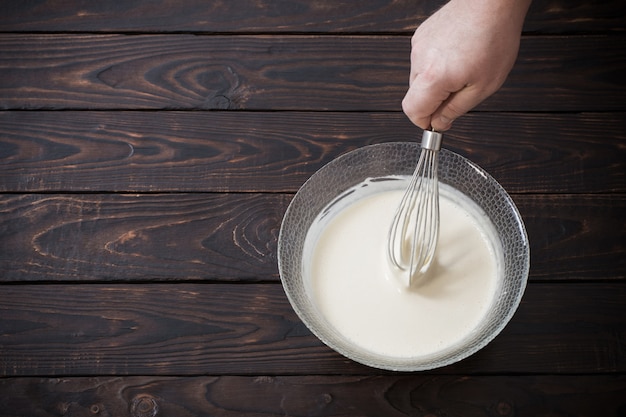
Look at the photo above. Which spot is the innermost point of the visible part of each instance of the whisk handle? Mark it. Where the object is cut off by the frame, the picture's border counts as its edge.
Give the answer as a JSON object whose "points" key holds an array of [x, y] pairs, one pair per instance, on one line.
{"points": [[431, 140]]}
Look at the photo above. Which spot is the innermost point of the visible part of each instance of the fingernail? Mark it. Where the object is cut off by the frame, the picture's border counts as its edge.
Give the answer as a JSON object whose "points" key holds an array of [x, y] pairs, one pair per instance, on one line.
{"points": [[445, 121]]}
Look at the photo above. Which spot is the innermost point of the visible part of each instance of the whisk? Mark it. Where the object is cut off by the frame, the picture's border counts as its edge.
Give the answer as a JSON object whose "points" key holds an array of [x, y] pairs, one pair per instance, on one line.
{"points": [[414, 230]]}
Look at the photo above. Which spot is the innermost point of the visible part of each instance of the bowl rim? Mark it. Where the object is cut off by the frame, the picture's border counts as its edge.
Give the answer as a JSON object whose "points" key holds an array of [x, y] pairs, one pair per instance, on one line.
{"points": [[416, 363]]}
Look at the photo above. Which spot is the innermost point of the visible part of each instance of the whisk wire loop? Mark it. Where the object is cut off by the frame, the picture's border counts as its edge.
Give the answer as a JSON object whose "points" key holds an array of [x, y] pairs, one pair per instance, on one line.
{"points": [[415, 227]]}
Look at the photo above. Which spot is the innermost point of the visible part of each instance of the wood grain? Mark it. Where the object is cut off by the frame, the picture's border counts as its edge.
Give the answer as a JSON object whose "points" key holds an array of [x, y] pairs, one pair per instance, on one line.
{"points": [[134, 151], [148, 150], [199, 329], [140, 237], [389, 396], [301, 16], [227, 237], [570, 239], [320, 73]]}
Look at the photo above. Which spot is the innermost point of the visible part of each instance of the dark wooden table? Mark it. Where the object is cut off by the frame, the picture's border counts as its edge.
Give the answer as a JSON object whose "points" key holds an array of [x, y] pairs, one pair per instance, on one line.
{"points": [[149, 149]]}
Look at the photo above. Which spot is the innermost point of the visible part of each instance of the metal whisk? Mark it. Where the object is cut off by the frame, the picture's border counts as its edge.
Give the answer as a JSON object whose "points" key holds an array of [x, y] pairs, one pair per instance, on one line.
{"points": [[415, 227]]}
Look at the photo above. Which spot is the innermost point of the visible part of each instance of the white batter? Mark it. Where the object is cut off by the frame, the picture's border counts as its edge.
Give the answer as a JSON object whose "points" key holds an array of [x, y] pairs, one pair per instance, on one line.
{"points": [[360, 293]]}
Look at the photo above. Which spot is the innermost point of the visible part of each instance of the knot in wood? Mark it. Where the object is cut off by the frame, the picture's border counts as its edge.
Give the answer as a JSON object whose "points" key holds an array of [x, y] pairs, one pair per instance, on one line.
{"points": [[219, 101], [144, 406]]}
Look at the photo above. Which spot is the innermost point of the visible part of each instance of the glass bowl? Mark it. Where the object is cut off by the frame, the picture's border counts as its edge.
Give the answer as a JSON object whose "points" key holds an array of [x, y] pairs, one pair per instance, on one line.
{"points": [[399, 159]]}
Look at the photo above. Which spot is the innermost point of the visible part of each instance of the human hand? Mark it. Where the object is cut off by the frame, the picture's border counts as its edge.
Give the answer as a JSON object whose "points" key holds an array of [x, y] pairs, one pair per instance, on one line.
{"points": [[460, 56]]}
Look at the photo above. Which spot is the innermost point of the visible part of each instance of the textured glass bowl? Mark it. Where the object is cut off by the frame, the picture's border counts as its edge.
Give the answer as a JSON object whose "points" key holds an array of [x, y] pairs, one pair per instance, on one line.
{"points": [[390, 159]]}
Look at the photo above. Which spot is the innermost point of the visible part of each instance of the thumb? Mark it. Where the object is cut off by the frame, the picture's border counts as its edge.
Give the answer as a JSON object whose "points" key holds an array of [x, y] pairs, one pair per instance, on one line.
{"points": [[455, 106]]}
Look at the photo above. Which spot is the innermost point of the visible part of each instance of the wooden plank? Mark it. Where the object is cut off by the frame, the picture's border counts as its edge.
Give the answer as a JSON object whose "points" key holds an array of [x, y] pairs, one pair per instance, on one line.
{"points": [[140, 237], [347, 73], [226, 237], [575, 236], [200, 329], [389, 396], [251, 16], [277, 151]]}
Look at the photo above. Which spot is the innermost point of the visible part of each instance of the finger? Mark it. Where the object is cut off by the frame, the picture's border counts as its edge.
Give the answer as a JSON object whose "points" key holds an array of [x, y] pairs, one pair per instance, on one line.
{"points": [[422, 100], [455, 106]]}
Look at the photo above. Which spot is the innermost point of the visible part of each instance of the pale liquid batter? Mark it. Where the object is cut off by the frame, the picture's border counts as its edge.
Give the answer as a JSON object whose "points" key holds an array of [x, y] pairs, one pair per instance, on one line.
{"points": [[369, 302]]}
